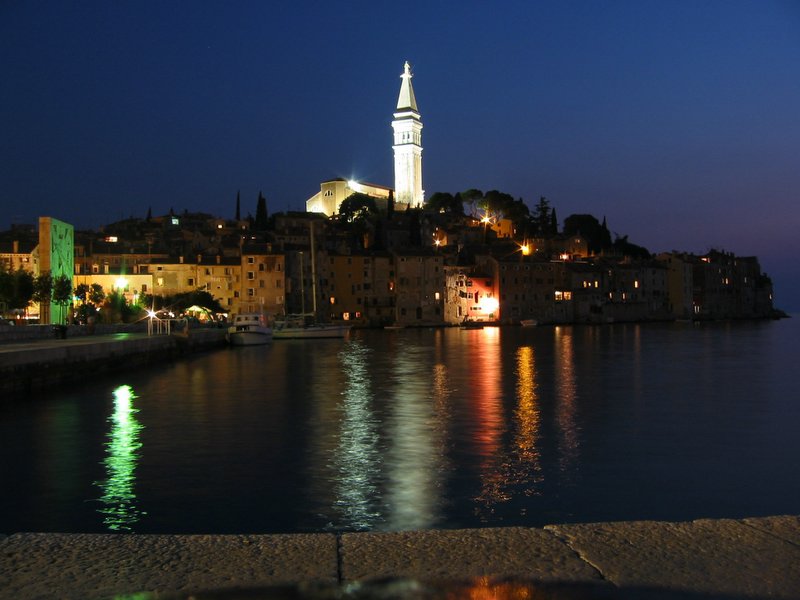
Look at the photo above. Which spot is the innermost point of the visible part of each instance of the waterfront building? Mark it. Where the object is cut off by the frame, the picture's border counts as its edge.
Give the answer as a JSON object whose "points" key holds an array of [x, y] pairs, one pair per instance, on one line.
{"points": [[587, 284], [359, 288], [470, 295], [533, 288], [18, 254], [680, 283], [131, 286], [637, 291], [728, 286], [262, 282], [419, 284]]}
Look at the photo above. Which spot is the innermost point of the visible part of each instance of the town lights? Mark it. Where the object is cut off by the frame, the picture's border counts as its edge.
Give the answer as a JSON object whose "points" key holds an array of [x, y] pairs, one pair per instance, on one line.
{"points": [[121, 283], [489, 305], [525, 249]]}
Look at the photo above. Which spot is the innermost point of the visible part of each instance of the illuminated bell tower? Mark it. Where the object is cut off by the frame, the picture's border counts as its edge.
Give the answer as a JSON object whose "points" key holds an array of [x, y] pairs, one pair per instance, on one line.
{"points": [[407, 146]]}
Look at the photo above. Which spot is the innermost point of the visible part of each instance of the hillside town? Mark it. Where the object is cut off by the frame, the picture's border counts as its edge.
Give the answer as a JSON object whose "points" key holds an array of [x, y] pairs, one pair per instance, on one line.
{"points": [[417, 267], [372, 256]]}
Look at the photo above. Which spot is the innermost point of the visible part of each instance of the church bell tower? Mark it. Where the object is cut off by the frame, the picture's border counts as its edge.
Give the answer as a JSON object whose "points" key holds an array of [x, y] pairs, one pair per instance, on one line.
{"points": [[407, 146]]}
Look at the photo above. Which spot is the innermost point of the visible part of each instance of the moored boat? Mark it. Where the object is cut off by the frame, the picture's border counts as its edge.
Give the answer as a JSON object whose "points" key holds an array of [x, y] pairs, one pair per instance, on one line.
{"points": [[529, 322], [305, 326], [249, 329]]}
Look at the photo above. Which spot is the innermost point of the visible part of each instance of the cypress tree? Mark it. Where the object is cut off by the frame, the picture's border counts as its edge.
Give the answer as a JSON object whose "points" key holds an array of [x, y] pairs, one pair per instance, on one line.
{"points": [[261, 213]]}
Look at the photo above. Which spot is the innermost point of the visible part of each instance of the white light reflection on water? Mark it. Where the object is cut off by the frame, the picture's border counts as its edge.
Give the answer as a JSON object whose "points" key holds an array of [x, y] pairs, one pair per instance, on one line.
{"points": [[414, 454], [356, 457], [119, 497]]}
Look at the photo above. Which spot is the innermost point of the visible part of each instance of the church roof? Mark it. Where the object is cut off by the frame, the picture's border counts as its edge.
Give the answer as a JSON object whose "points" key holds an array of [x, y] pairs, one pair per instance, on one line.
{"points": [[406, 98]]}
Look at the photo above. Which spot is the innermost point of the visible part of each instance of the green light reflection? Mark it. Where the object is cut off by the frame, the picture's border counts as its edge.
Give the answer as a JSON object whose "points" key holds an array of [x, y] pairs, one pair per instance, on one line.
{"points": [[119, 498]]}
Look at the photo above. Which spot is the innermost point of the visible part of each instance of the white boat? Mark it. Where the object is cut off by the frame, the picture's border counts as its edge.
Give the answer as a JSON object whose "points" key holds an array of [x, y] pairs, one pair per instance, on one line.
{"points": [[249, 329], [529, 322], [305, 326]]}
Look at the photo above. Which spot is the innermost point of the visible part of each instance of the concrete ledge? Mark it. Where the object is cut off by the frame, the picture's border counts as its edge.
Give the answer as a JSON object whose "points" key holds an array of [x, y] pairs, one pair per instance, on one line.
{"points": [[753, 557], [718, 559], [459, 554], [37, 565]]}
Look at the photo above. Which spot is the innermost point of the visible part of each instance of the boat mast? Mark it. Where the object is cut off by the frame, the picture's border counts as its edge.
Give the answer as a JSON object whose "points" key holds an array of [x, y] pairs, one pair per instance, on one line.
{"points": [[302, 284], [313, 270]]}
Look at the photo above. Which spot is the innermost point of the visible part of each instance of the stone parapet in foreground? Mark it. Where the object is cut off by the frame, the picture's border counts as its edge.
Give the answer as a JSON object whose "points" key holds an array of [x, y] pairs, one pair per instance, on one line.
{"points": [[718, 559]]}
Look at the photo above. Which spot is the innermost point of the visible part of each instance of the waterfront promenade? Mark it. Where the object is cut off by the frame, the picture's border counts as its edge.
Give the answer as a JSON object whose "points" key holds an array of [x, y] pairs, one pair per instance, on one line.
{"points": [[33, 363], [718, 559]]}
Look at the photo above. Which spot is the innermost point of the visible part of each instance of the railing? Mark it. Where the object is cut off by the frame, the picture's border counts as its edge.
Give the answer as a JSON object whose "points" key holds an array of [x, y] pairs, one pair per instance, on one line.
{"points": [[156, 326]]}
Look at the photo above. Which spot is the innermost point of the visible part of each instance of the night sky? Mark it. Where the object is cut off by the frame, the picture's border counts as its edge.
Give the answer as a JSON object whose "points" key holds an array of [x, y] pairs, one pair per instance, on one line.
{"points": [[679, 121]]}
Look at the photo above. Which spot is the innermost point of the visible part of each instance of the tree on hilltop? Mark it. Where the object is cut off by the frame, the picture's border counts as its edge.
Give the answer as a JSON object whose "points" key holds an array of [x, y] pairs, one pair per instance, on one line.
{"points": [[597, 237], [443, 202]]}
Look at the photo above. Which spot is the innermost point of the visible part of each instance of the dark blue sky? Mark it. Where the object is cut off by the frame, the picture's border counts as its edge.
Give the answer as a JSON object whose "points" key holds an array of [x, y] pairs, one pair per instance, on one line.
{"points": [[678, 121]]}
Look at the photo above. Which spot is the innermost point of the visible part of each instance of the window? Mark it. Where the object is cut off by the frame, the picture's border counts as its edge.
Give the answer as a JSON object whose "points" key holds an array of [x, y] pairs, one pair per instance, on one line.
{"points": [[191, 281], [251, 275], [251, 260], [251, 292]]}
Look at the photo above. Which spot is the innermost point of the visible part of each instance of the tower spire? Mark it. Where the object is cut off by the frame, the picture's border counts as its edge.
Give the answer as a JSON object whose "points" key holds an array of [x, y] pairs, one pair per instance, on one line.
{"points": [[407, 126], [406, 100]]}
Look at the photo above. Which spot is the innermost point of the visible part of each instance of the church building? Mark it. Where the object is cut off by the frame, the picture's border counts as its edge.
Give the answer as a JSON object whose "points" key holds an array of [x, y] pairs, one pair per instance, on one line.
{"points": [[408, 192]]}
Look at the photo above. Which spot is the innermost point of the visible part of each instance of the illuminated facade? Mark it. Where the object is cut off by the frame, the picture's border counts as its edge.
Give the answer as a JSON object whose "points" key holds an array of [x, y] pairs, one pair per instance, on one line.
{"points": [[57, 257], [407, 147], [332, 193]]}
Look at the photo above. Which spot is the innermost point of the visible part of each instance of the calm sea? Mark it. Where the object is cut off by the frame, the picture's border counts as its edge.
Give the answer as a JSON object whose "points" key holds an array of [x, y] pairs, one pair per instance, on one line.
{"points": [[420, 428]]}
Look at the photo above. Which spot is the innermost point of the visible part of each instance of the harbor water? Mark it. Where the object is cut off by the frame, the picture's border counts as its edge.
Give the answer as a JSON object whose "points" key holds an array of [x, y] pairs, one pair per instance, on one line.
{"points": [[419, 428]]}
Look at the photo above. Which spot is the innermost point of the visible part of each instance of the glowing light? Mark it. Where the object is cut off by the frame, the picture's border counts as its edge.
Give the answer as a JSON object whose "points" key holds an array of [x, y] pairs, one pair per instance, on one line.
{"points": [[489, 305], [526, 249], [121, 283]]}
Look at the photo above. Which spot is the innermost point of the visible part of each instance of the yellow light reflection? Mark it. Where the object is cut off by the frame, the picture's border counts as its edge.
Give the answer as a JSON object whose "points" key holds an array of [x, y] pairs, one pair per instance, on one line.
{"points": [[527, 417], [487, 374], [119, 498], [567, 399]]}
